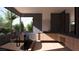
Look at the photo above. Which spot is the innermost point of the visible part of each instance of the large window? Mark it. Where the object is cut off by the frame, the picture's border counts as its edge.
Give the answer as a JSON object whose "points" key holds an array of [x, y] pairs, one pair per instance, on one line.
{"points": [[9, 21], [6, 20], [27, 23], [16, 24]]}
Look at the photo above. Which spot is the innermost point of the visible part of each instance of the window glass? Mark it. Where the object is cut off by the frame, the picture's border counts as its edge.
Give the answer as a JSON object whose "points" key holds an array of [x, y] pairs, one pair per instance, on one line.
{"points": [[27, 23], [5, 20]]}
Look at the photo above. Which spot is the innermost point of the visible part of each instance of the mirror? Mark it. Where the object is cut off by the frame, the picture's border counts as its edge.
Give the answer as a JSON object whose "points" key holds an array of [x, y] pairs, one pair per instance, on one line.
{"points": [[72, 22], [72, 26]]}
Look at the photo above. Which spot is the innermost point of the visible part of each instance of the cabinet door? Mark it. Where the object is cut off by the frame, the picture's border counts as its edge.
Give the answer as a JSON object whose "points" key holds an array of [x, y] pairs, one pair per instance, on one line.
{"points": [[55, 23], [60, 23], [66, 27], [77, 20], [64, 23]]}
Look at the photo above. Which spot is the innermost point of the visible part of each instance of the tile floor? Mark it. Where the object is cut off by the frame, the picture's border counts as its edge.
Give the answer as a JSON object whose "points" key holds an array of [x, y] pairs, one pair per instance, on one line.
{"points": [[50, 46], [39, 46]]}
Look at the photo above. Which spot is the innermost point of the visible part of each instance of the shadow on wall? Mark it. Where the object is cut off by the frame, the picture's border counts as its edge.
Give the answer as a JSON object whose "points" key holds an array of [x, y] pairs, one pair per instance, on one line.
{"points": [[36, 30], [44, 36], [34, 34]]}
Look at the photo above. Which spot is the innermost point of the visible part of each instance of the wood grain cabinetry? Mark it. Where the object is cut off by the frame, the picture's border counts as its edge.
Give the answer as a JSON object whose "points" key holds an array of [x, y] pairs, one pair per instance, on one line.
{"points": [[70, 42]]}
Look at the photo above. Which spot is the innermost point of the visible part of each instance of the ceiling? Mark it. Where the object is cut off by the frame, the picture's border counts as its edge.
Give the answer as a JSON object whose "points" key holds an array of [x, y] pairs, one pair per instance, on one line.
{"points": [[42, 9]]}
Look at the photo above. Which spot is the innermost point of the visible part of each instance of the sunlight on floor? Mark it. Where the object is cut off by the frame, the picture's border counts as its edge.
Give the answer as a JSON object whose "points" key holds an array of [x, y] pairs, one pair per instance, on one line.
{"points": [[48, 46]]}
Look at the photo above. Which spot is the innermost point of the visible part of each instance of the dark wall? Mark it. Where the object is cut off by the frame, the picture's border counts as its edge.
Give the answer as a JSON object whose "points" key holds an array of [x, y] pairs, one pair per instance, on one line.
{"points": [[37, 19]]}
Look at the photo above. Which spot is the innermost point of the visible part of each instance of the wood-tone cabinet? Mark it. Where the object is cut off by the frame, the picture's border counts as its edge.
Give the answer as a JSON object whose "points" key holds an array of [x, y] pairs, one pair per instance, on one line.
{"points": [[77, 21], [60, 23]]}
